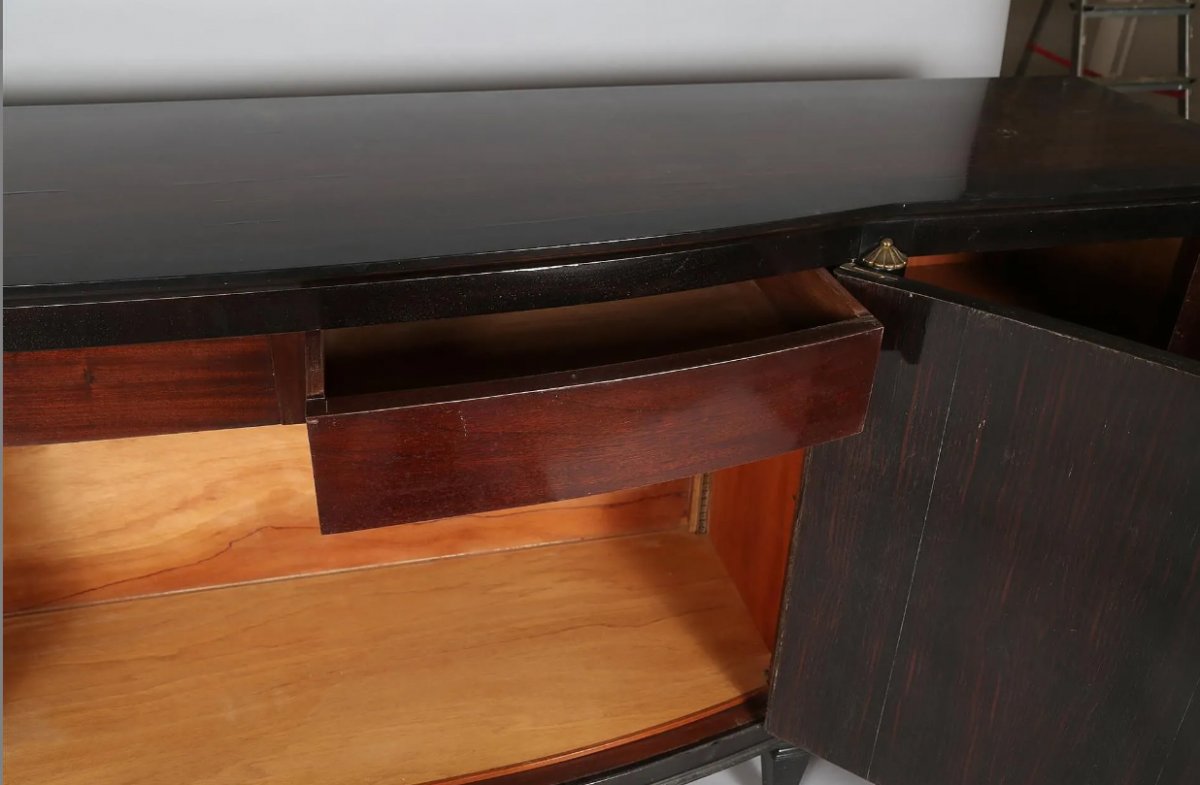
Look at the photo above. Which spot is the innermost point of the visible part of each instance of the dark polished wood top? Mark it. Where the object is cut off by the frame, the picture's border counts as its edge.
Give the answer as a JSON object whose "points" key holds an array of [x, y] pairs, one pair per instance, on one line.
{"points": [[274, 200]]}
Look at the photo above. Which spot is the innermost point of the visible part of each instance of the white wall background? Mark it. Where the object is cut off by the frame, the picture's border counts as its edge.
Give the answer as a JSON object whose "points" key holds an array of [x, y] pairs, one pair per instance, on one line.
{"points": [[72, 50]]}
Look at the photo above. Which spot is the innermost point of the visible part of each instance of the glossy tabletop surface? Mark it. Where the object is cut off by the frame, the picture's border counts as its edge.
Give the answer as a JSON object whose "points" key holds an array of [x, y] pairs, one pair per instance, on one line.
{"points": [[208, 195]]}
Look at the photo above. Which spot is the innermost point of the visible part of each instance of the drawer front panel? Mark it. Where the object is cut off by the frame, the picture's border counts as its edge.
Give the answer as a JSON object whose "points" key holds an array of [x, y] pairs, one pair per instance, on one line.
{"points": [[568, 435], [111, 392]]}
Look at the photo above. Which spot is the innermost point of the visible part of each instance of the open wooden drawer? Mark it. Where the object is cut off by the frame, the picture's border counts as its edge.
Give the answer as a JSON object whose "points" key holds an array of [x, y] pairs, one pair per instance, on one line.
{"points": [[424, 420], [173, 614]]}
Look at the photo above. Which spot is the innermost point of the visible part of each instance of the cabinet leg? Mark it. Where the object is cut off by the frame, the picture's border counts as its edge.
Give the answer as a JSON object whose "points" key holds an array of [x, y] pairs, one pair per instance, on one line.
{"points": [[784, 766]]}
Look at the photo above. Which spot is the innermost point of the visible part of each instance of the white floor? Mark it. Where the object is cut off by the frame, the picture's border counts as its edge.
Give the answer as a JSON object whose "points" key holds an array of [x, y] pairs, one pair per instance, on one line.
{"points": [[819, 772]]}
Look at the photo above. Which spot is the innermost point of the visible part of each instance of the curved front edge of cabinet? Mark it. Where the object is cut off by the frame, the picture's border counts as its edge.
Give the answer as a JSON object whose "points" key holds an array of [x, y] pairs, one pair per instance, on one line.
{"points": [[675, 755], [691, 763], [433, 453]]}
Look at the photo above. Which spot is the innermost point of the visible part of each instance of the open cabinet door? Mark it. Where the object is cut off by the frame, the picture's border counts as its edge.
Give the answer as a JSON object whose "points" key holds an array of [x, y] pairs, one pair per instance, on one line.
{"points": [[998, 581]]}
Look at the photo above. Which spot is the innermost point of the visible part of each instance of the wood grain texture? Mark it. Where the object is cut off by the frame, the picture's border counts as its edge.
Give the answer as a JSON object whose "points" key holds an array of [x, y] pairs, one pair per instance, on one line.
{"points": [[751, 514], [289, 364], [856, 535], [1049, 603], [1057, 623], [1183, 764], [104, 520], [456, 450], [314, 365], [932, 260], [137, 390], [381, 674]]}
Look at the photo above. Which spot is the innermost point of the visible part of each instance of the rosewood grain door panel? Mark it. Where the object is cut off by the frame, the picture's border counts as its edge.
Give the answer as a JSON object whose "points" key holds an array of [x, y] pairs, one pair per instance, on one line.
{"points": [[863, 504], [1183, 765], [1035, 618]]}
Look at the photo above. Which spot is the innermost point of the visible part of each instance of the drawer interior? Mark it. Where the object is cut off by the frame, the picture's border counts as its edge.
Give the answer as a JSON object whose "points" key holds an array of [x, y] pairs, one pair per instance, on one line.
{"points": [[439, 352], [169, 588], [1121, 288]]}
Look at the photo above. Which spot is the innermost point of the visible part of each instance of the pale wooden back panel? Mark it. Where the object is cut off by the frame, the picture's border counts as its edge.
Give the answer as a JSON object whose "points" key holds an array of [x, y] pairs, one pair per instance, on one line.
{"points": [[751, 510], [104, 520]]}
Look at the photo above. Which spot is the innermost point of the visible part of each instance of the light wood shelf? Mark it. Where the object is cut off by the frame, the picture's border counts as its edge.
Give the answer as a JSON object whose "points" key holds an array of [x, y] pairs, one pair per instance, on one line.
{"points": [[407, 673], [86, 522]]}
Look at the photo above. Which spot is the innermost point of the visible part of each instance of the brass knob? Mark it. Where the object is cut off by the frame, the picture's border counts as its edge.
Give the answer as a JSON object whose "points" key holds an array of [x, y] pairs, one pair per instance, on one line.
{"points": [[885, 256]]}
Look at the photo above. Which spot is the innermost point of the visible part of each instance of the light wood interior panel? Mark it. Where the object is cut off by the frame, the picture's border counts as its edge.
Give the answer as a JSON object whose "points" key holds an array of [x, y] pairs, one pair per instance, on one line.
{"points": [[410, 673], [1122, 288], [501, 345], [751, 511], [102, 520]]}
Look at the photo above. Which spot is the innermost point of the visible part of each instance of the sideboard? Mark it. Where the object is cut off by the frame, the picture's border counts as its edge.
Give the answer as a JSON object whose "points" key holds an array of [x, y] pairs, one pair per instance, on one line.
{"points": [[604, 435]]}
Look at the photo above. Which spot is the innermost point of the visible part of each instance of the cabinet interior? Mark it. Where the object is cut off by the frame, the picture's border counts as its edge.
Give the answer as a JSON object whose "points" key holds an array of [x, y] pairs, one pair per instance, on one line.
{"points": [[164, 589], [411, 355], [1120, 288]]}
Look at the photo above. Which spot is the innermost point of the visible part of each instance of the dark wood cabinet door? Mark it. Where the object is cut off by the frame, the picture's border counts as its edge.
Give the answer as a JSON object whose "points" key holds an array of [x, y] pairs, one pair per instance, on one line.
{"points": [[998, 581]]}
